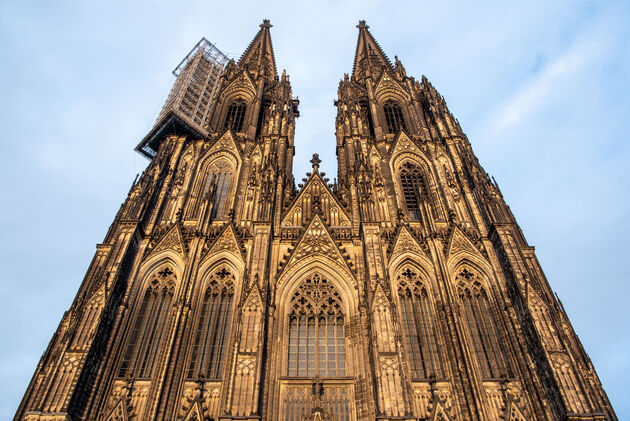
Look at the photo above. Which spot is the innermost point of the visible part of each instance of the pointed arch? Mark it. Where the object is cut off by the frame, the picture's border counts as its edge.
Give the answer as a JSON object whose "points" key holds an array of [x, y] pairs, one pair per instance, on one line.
{"points": [[235, 115], [419, 322], [414, 181], [480, 322], [394, 117], [150, 320], [215, 184], [214, 312], [316, 338]]}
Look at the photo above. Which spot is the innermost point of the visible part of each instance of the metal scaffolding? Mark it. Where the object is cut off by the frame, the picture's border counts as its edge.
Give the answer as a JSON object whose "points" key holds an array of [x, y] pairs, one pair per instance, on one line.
{"points": [[191, 98], [197, 80]]}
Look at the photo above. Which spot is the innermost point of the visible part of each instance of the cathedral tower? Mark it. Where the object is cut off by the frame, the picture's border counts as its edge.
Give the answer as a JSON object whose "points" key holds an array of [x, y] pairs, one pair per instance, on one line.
{"points": [[223, 291]]}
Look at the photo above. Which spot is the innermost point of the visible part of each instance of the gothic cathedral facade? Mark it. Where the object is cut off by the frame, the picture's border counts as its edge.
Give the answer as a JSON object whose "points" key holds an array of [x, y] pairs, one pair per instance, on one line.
{"points": [[405, 290]]}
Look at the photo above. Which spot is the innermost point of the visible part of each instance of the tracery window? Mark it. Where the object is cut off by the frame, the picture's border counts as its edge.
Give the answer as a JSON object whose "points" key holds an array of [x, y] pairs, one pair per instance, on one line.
{"points": [[393, 117], [414, 189], [316, 336], [481, 325], [419, 326], [213, 327], [235, 115], [151, 320], [217, 187]]}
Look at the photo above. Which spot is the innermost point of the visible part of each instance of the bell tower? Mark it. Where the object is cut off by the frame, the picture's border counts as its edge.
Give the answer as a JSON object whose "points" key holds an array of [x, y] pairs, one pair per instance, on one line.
{"points": [[464, 321]]}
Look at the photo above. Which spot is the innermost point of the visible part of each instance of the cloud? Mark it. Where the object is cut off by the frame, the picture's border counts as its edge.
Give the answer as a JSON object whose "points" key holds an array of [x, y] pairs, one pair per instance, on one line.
{"points": [[534, 91]]}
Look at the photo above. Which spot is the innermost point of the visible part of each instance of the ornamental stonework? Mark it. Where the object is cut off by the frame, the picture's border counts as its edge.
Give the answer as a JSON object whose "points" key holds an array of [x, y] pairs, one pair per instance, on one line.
{"points": [[223, 290]]}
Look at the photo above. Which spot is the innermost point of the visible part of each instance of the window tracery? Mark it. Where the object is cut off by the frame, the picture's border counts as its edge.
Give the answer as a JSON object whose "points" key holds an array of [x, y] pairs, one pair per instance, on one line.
{"points": [[235, 115], [150, 322], [316, 334], [213, 327], [213, 186], [414, 189], [419, 326], [481, 325], [393, 117]]}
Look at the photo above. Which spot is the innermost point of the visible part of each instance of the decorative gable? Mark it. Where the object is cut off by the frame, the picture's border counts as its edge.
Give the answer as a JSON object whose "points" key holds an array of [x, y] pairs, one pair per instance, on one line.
{"points": [[460, 243], [195, 412], [387, 84], [172, 241], [406, 243], [513, 413], [226, 143], [119, 413], [227, 241], [316, 241], [440, 414], [302, 208], [405, 145], [241, 85]]}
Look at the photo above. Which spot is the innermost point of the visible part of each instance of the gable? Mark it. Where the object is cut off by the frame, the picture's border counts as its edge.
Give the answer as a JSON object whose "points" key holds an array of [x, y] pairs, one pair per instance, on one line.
{"points": [[405, 146], [460, 243], [316, 241], [301, 210], [388, 86], [241, 85], [406, 243], [171, 241], [225, 143], [227, 242]]}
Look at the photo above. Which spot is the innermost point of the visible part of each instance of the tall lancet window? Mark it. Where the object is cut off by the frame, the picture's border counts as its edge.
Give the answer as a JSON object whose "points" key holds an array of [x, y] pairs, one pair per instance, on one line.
{"points": [[414, 190], [316, 336], [419, 326], [235, 115], [216, 190], [393, 117], [213, 327], [481, 324], [149, 325]]}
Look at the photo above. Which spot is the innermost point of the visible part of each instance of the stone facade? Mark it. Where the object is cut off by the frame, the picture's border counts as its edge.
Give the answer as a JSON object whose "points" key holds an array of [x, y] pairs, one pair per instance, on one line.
{"points": [[403, 291]]}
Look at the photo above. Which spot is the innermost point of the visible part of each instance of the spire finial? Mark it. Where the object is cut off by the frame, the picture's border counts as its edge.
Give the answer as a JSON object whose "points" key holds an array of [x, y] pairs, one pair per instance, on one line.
{"points": [[362, 25], [316, 161], [266, 24]]}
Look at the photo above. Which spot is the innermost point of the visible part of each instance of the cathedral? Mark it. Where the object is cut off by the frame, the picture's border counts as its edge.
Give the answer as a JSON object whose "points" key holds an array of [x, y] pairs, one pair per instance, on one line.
{"points": [[224, 290]]}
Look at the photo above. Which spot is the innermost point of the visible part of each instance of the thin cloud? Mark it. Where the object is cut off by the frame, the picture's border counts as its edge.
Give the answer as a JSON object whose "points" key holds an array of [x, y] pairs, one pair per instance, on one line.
{"points": [[533, 92]]}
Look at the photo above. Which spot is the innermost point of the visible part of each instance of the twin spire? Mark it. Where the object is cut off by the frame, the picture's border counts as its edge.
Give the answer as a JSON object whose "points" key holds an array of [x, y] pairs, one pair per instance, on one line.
{"points": [[369, 58], [259, 53]]}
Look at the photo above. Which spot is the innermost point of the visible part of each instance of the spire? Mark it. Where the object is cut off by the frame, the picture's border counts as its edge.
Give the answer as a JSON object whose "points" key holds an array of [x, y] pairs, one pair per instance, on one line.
{"points": [[259, 54], [369, 58]]}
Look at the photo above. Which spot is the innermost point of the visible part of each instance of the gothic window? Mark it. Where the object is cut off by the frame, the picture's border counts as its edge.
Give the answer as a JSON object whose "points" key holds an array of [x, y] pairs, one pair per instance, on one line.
{"points": [[151, 320], [316, 336], [481, 326], [213, 327], [419, 326], [393, 117], [414, 189], [366, 116], [216, 189], [235, 115]]}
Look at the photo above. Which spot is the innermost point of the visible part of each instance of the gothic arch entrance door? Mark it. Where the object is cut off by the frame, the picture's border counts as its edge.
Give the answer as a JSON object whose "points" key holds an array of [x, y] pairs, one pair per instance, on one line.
{"points": [[316, 373]]}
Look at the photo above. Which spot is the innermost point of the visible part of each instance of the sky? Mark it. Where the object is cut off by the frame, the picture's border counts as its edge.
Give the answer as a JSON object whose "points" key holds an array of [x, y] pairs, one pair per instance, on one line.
{"points": [[541, 89]]}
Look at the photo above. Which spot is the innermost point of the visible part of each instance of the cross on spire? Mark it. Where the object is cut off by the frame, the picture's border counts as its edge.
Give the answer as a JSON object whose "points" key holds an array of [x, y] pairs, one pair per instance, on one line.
{"points": [[266, 24], [362, 25]]}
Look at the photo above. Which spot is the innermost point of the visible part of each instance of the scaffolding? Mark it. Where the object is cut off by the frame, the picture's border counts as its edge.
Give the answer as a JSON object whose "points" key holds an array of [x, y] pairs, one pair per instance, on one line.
{"points": [[189, 103]]}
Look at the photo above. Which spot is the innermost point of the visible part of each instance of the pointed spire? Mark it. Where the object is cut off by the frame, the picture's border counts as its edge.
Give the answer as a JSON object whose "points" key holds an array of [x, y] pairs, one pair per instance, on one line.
{"points": [[369, 58], [259, 57]]}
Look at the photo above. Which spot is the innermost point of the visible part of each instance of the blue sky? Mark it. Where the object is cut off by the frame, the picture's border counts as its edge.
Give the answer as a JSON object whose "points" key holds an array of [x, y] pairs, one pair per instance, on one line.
{"points": [[542, 90]]}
